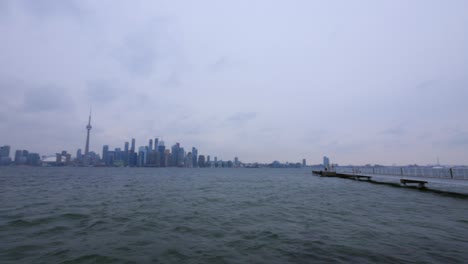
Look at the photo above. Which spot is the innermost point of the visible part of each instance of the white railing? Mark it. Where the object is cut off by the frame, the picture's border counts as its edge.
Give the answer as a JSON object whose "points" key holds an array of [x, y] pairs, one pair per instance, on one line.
{"points": [[442, 173]]}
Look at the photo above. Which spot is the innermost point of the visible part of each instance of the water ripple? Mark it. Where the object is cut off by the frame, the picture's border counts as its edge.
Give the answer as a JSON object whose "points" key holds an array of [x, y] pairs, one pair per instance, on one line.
{"points": [[123, 215]]}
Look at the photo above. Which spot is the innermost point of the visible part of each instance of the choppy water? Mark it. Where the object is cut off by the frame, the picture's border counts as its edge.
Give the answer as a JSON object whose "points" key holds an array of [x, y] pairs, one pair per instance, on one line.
{"points": [[130, 215]]}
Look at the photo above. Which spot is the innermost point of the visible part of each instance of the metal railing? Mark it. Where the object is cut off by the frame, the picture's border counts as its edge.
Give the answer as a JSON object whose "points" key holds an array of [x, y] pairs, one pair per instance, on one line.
{"points": [[428, 172]]}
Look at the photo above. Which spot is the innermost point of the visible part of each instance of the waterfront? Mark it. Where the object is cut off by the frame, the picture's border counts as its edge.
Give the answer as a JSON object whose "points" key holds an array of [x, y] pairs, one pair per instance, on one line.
{"points": [[140, 215]]}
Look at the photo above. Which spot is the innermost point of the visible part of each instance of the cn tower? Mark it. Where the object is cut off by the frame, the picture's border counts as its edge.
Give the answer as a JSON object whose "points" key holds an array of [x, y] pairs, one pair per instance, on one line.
{"points": [[88, 127]]}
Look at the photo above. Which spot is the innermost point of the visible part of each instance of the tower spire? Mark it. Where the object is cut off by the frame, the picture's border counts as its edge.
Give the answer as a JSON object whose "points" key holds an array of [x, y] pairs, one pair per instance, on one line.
{"points": [[89, 120], [88, 127]]}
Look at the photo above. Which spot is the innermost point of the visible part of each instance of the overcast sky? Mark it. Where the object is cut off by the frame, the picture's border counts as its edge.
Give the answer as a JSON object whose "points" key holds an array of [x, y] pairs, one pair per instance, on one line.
{"points": [[359, 81]]}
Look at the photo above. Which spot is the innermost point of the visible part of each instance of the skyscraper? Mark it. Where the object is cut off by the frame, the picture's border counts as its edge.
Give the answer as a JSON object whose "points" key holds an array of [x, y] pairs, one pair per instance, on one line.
{"points": [[188, 160], [161, 151], [5, 155], [5, 151], [88, 127], [18, 155], [79, 155], [175, 154], [181, 157], [326, 162], [125, 154], [167, 158], [150, 145], [132, 149], [194, 157], [156, 143], [201, 161], [105, 156]]}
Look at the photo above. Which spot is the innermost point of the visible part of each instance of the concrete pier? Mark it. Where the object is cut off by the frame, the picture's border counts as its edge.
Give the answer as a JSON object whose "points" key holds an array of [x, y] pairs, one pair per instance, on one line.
{"points": [[456, 187]]}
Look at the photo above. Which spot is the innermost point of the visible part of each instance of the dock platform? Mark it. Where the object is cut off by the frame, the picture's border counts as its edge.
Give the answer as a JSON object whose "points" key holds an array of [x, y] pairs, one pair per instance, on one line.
{"points": [[440, 185]]}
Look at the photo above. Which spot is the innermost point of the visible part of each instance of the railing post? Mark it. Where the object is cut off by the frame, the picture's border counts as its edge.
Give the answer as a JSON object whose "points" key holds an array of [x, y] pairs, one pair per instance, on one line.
{"points": [[401, 170], [451, 173]]}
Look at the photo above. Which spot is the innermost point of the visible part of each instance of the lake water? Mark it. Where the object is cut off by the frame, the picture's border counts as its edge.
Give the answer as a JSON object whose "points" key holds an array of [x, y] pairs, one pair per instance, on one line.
{"points": [[155, 215]]}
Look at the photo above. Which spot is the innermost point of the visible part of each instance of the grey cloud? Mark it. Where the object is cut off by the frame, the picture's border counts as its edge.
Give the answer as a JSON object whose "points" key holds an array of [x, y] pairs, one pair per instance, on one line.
{"points": [[23, 96], [221, 64], [341, 147], [393, 132], [4, 8], [172, 81], [47, 98], [11, 89], [48, 8], [241, 117], [427, 85], [314, 135], [459, 140], [137, 56], [100, 91], [142, 50]]}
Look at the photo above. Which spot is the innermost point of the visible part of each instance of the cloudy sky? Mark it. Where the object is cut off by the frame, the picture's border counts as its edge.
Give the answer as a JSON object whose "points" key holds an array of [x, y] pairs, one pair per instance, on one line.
{"points": [[360, 81]]}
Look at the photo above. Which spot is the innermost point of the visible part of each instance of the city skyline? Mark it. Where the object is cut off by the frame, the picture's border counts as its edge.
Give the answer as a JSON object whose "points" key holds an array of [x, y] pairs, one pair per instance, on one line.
{"points": [[379, 83]]}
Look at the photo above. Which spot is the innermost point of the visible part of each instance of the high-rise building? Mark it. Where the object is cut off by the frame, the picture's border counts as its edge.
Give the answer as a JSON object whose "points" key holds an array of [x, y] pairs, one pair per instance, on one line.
{"points": [[150, 145], [149, 151], [142, 155], [88, 128], [201, 161], [326, 162], [105, 157], [5, 151], [161, 151], [157, 158], [181, 157], [167, 158], [188, 160], [303, 162], [118, 156], [194, 157], [133, 159], [21, 157], [156, 143], [132, 149], [126, 155], [79, 155], [110, 158], [175, 154], [5, 155]]}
